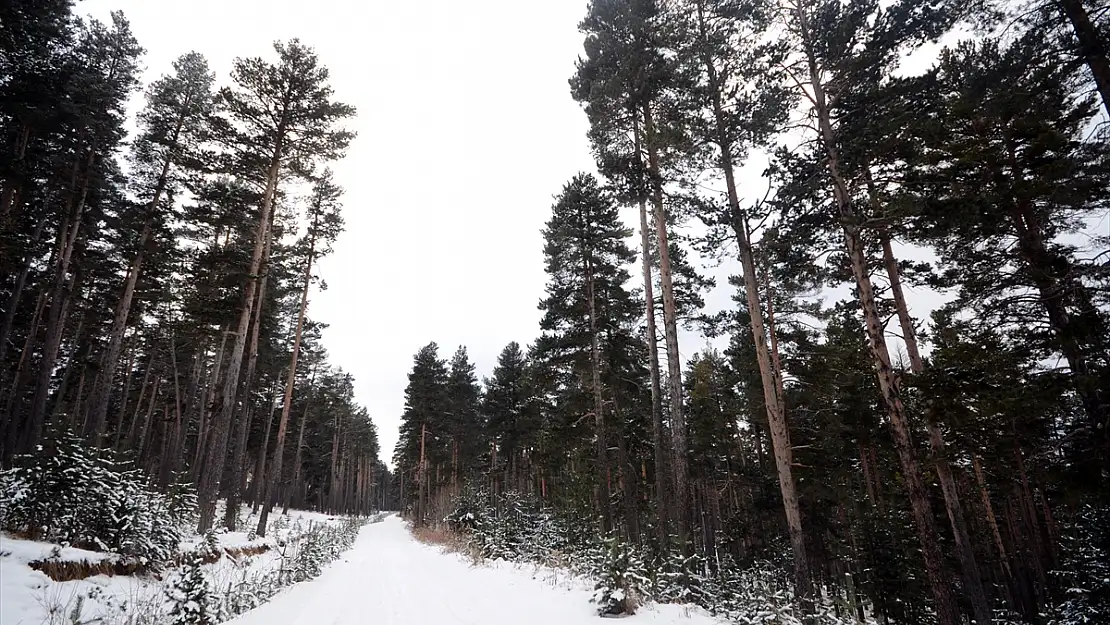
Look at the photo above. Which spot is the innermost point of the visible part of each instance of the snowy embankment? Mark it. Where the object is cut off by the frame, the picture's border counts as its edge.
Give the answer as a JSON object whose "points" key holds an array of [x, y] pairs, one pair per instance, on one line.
{"points": [[244, 569], [388, 578]]}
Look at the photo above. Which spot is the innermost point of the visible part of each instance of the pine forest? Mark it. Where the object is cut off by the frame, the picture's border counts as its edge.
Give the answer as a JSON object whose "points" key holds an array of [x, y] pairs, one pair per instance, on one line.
{"points": [[901, 416]]}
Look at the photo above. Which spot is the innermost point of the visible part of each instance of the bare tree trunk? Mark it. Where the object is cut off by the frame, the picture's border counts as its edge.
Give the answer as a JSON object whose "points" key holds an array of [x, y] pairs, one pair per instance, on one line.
{"points": [[12, 423], [132, 428], [259, 481], [769, 366], [129, 373], [422, 478], [206, 407], [200, 357], [973, 580], [166, 462], [140, 448], [992, 521], [602, 445], [212, 471], [626, 475], [670, 327], [939, 583], [243, 424], [300, 438], [290, 380], [658, 437]]}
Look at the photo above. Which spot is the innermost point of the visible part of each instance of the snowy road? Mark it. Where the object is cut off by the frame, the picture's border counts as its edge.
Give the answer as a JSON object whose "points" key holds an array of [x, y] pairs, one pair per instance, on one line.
{"points": [[388, 578]]}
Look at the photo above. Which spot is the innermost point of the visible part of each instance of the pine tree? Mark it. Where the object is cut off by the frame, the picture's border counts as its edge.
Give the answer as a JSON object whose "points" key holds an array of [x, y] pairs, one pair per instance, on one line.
{"points": [[464, 418], [821, 35], [270, 136], [509, 421], [104, 70], [622, 81], [425, 407], [587, 324], [1041, 180]]}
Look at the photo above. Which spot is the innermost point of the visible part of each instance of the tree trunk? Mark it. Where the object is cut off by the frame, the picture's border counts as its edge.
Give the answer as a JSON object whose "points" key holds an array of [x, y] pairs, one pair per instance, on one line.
{"points": [[17, 291], [129, 370], [670, 327], [243, 424], [132, 428], [170, 435], [259, 481], [1053, 285], [300, 437], [658, 438], [973, 582], [94, 431], [140, 447], [602, 445], [992, 522], [940, 585], [768, 368], [12, 423], [421, 476], [290, 380], [206, 408], [216, 456]]}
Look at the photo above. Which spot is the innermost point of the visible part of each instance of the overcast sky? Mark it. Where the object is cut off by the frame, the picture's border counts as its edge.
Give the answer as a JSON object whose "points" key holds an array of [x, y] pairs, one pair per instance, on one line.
{"points": [[466, 129]]}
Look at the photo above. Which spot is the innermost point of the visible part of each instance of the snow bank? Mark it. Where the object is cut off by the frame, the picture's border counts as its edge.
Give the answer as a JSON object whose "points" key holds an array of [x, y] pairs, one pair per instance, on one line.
{"points": [[30, 597]]}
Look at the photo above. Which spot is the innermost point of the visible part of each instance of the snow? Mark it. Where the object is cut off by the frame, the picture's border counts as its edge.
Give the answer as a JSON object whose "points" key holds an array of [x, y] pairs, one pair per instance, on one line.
{"points": [[388, 578], [28, 597], [25, 551]]}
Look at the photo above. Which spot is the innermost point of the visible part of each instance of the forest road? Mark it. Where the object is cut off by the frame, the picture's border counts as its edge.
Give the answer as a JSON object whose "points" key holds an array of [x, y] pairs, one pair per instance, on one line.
{"points": [[388, 578]]}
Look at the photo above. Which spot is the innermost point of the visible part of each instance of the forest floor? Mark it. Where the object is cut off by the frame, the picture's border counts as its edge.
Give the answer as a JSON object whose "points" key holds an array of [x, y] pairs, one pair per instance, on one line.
{"points": [[388, 578]]}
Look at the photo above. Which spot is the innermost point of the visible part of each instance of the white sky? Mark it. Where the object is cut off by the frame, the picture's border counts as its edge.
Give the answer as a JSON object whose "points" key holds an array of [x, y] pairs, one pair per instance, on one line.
{"points": [[466, 129]]}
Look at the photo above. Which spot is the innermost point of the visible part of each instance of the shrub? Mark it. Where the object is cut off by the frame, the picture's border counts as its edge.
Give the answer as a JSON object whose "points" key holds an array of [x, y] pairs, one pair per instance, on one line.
{"points": [[621, 579], [189, 594], [71, 495]]}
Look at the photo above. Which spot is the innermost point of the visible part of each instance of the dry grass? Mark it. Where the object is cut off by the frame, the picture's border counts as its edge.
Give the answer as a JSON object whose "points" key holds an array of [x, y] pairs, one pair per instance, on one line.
{"points": [[450, 541], [70, 571], [62, 571]]}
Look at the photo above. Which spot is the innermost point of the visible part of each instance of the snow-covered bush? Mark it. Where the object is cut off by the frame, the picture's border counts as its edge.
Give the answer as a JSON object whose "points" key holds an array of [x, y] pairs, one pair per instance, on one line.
{"points": [[189, 594], [520, 529], [621, 579], [311, 556], [684, 579], [516, 527], [70, 494]]}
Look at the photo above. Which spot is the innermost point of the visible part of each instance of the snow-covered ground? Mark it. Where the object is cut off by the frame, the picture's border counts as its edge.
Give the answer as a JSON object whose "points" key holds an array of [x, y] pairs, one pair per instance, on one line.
{"points": [[389, 578], [29, 597]]}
